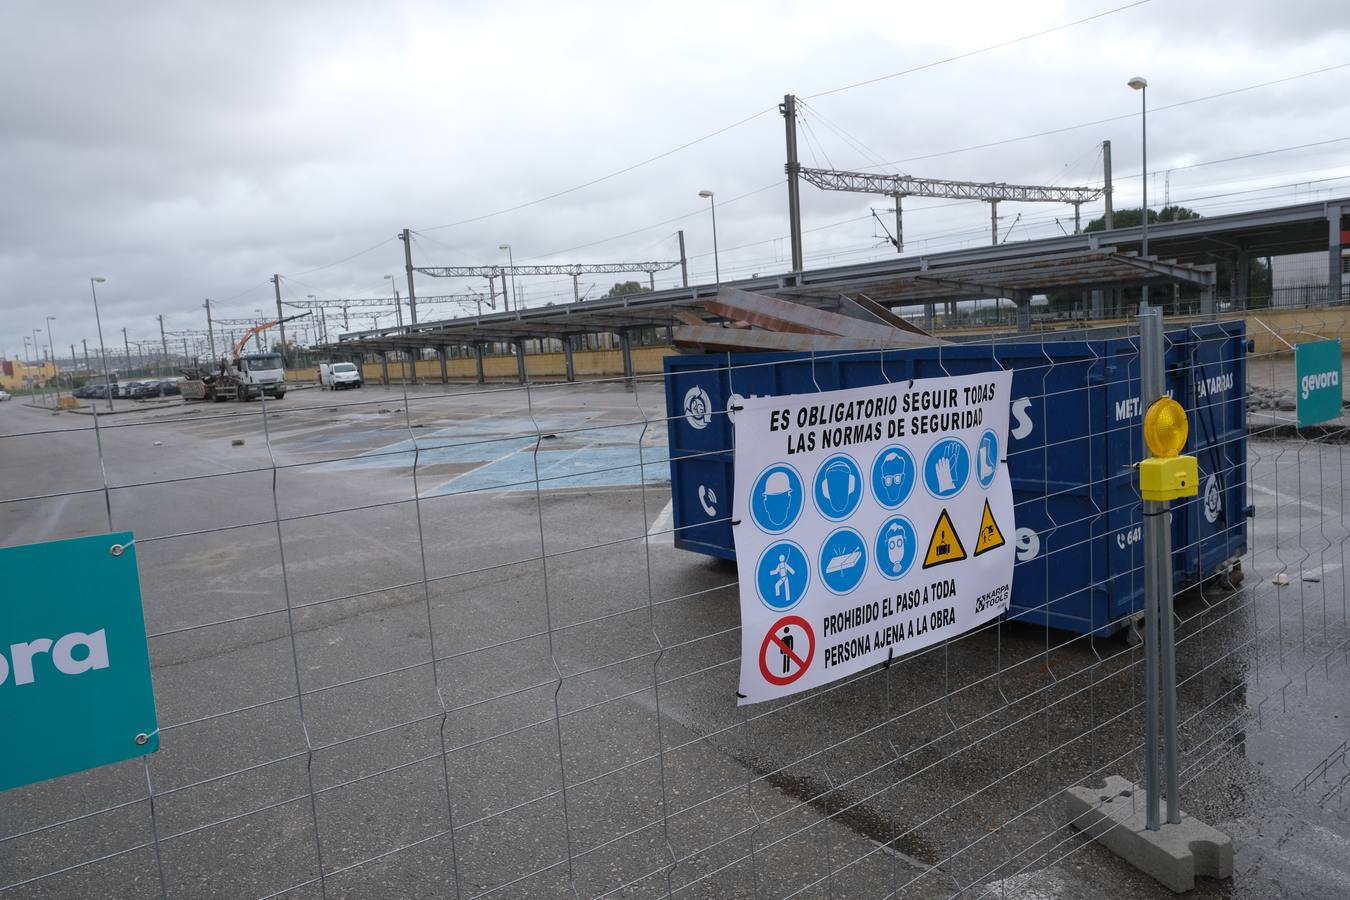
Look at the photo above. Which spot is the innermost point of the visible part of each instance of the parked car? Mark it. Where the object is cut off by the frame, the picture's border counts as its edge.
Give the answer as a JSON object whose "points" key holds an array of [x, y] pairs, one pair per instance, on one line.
{"points": [[169, 387], [5, 395], [339, 376], [141, 390]]}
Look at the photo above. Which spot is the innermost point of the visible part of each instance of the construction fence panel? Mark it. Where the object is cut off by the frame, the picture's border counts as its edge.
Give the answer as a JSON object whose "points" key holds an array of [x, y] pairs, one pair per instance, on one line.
{"points": [[427, 641]]}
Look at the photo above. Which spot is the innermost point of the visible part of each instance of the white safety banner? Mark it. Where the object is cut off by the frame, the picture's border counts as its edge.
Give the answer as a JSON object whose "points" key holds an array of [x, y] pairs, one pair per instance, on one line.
{"points": [[869, 523]]}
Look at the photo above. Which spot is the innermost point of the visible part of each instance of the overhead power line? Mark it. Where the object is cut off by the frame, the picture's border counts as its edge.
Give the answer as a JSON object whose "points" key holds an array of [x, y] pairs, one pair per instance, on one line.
{"points": [[708, 136], [1131, 115]]}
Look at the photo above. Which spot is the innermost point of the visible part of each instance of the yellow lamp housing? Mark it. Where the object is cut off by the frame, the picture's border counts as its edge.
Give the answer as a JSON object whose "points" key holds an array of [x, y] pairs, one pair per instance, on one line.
{"points": [[1169, 477], [1165, 427], [1165, 475]]}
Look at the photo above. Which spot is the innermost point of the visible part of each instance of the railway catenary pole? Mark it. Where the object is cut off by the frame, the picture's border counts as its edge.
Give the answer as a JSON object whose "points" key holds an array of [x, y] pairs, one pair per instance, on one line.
{"points": [[789, 110], [210, 333], [281, 325], [1110, 216], [406, 237]]}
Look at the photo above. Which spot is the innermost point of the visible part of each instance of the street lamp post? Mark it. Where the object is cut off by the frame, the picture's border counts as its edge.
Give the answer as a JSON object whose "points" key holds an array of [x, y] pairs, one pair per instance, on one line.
{"points": [[712, 205], [107, 377], [1140, 84], [37, 356], [511, 261], [52, 346], [398, 301]]}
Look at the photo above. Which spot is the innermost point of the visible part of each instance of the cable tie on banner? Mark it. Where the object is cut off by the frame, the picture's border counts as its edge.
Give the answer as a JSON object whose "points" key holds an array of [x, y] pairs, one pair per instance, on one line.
{"points": [[736, 408], [1161, 512], [890, 655], [740, 696], [119, 549], [735, 521]]}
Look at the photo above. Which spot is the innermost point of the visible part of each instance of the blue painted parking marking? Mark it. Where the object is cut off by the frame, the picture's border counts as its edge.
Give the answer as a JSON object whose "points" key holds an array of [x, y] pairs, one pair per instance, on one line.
{"points": [[504, 449]]}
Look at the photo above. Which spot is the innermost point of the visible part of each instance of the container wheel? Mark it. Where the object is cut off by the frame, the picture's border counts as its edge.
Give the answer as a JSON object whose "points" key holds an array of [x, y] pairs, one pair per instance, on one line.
{"points": [[1134, 631]]}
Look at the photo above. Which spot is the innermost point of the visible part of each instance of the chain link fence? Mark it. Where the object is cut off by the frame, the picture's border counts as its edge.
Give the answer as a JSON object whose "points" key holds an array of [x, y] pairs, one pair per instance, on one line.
{"points": [[438, 641]]}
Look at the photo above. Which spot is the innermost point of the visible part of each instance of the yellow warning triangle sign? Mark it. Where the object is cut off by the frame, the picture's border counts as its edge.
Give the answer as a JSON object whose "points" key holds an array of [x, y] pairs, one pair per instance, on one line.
{"points": [[944, 546], [991, 536]]}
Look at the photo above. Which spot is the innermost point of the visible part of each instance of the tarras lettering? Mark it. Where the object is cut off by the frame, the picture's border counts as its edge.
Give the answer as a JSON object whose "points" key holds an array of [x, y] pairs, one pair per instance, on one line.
{"points": [[62, 654], [1310, 383], [1215, 384]]}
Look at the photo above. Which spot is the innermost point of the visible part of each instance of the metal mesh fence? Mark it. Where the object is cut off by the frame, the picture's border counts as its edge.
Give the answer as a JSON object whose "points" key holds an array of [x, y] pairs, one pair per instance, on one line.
{"points": [[437, 641]]}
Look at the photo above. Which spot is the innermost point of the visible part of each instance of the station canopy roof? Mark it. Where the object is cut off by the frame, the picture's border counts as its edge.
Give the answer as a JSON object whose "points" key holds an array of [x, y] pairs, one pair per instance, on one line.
{"points": [[1180, 253]]}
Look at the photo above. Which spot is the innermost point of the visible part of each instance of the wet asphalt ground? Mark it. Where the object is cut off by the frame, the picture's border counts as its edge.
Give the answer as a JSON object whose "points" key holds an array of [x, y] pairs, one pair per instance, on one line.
{"points": [[515, 685]]}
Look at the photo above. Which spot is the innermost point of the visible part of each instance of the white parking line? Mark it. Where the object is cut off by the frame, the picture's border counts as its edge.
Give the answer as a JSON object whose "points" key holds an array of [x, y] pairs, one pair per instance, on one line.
{"points": [[1288, 498], [660, 529]]}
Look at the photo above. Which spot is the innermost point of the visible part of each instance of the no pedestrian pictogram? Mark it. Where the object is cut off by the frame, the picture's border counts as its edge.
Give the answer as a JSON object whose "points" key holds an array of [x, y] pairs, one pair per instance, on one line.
{"points": [[991, 536], [944, 546], [786, 651]]}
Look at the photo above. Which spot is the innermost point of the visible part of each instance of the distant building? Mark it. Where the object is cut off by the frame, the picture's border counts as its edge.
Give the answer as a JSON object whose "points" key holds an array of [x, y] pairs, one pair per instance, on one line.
{"points": [[1300, 279], [15, 374]]}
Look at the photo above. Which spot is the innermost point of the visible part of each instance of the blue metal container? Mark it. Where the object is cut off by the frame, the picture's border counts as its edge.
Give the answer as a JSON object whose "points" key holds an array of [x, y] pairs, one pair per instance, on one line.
{"points": [[1075, 433]]}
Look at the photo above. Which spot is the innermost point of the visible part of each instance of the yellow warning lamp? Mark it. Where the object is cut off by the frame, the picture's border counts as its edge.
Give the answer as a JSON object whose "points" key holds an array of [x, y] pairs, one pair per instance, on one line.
{"points": [[1166, 475]]}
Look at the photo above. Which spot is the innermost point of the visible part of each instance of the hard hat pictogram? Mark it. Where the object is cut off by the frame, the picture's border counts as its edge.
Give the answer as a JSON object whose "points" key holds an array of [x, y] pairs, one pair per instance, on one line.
{"points": [[776, 499]]}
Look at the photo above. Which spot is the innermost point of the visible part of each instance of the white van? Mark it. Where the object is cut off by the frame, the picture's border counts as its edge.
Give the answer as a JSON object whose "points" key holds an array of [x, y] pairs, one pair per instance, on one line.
{"points": [[338, 376]]}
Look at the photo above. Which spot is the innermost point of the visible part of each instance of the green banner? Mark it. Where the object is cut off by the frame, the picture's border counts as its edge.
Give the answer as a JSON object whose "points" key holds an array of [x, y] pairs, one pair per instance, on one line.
{"points": [[1317, 367], [75, 688]]}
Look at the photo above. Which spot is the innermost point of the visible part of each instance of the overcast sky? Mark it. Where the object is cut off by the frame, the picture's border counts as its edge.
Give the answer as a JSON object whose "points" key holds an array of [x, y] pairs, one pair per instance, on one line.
{"points": [[192, 149]]}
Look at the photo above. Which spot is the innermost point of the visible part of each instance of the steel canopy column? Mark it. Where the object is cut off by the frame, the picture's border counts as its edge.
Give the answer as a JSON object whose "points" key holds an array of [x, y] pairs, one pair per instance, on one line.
{"points": [[478, 361], [1242, 266], [445, 375], [567, 357], [520, 361], [384, 366], [1334, 264], [626, 345]]}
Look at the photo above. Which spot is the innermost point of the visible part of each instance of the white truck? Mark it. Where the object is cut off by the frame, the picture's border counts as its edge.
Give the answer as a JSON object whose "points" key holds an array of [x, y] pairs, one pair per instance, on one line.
{"points": [[240, 376], [339, 376]]}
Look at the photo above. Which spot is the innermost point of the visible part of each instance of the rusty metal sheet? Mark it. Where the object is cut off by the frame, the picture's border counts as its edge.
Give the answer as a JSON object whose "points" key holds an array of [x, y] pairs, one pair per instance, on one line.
{"points": [[786, 316], [689, 318], [886, 317], [709, 337]]}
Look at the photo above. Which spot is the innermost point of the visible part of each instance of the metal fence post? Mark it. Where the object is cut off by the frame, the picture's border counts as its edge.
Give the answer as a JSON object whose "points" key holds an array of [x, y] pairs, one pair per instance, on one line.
{"points": [[1151, 388], [1159, 635]]}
